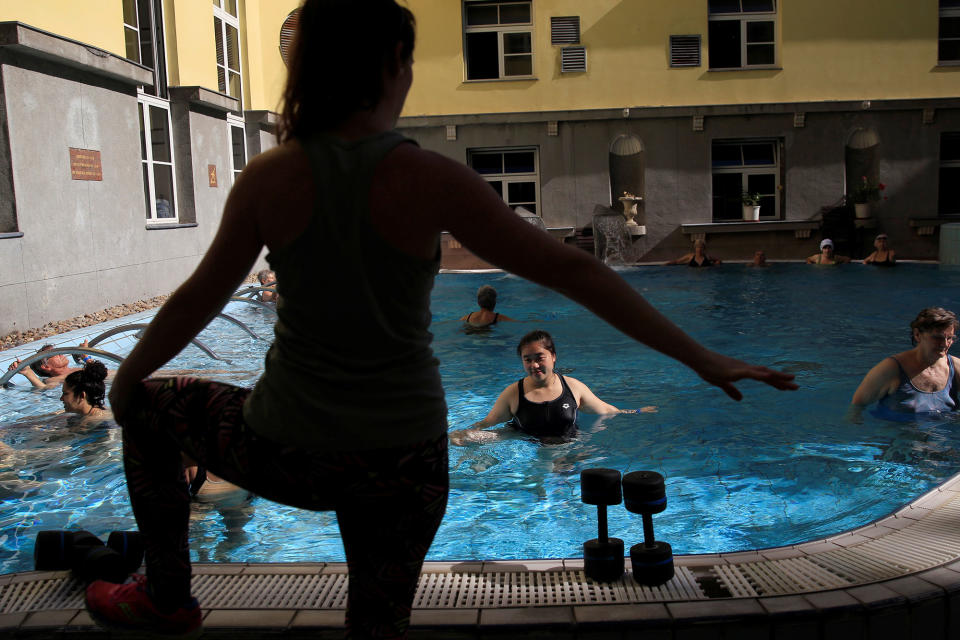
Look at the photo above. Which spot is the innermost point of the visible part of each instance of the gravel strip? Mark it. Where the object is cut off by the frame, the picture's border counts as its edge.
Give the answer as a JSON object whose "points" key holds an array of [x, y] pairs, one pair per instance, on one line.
{"points": [[17, 338]]}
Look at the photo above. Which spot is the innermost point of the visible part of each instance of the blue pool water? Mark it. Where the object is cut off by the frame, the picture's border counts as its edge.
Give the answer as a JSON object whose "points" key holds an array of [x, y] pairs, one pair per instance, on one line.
{"points": [[777, 468]]}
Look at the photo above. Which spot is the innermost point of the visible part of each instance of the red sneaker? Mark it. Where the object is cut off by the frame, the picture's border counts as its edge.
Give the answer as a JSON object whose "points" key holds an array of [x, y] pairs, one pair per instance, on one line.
{"points": [[128, 606]]}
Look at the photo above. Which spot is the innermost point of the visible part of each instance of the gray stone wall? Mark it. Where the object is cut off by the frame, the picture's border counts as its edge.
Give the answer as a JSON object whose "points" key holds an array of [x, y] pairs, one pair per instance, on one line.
{"points": [[85, 245], [574, 171]]}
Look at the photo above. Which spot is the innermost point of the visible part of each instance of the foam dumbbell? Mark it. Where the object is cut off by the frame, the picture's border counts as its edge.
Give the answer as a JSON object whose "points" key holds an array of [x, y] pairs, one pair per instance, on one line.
{"points": [[129, 544], [51, 551], [603, 558], [80, 551], [651, 560]]}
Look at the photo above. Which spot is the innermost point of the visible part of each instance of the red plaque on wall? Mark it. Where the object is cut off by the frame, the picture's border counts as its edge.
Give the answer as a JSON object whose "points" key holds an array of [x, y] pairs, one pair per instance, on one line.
{"points": [[85, 164], [212, 174]]}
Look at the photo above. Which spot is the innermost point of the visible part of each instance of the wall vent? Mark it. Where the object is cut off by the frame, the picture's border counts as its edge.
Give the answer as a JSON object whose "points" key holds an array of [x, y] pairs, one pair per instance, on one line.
{"points": [[287, 30], [565, 30], [685, 51], [573, 59]]}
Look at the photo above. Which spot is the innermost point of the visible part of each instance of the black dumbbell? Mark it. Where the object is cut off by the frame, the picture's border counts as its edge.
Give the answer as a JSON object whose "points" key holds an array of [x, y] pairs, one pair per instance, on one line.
{"points": [[80, 551], [129, 544], [652, 561], [602, 556]]}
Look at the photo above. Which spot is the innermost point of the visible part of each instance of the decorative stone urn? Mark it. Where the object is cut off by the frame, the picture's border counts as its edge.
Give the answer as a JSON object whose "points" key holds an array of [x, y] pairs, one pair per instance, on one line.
{"points": [[861, 210], [630, 212]]}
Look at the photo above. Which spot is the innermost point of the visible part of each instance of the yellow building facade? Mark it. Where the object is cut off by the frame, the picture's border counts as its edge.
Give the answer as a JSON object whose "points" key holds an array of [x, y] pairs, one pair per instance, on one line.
{"points": [[562, 105]]}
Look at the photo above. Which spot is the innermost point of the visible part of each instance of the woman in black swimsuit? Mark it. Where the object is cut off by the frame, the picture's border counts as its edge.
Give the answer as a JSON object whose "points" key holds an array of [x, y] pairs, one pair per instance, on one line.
{"points": [[544, 404], [698, 258], [883, 256]]}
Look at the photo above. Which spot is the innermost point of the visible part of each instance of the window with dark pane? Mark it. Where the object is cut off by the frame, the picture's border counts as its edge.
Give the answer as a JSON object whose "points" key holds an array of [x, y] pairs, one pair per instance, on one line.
{"points": [[497, 39], [487, 163], [226, 35], [741, 33], [512, 173], [239, 148], [723, 45], [744, 166]]}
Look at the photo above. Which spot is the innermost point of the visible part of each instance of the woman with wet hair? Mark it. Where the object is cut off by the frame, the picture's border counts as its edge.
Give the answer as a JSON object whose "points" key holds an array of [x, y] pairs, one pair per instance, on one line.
{"points": [[921, 380], [84, 390], [349, 414], [485, 316]]}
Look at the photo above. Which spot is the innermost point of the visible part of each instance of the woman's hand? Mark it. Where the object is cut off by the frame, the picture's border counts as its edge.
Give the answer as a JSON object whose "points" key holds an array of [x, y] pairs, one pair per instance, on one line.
{"points": [[13, 365], [723, 371]]}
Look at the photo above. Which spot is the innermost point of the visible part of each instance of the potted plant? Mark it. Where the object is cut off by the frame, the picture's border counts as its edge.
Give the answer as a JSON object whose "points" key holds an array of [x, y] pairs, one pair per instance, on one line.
{"points": [[751, 205], [863, 193]]}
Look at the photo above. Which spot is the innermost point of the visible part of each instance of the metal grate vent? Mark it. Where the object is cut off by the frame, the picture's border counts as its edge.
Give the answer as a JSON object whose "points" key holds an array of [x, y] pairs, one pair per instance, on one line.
{"points": [[565, 30], [685, 51], [287, 30], [573, 59]]}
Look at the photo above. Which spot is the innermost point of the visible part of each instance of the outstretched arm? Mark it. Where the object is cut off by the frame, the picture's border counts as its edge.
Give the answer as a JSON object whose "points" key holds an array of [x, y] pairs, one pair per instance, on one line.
{"points": [[499, 413], [685, 258], [29, 374], [479, 219], [589, 402], [879, 382]]}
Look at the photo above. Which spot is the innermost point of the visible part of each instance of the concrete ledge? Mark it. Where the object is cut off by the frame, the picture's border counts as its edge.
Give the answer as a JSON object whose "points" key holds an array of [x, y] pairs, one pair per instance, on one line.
{"points": [[22, 38], [748, 226], [203, 97], [175, 225], [679, 111], [267, 119]]}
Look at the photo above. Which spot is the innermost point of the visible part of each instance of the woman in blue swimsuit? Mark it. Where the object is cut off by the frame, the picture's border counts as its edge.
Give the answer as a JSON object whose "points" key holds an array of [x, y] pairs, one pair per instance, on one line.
{"points": [[921, 380], [544, 404]]}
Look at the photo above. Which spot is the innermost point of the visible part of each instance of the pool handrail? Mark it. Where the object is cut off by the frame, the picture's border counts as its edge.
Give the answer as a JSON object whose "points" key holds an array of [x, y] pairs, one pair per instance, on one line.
{"points": [[240, 324], [42, 355], [139, 326], [262, 305], [254, 289]]}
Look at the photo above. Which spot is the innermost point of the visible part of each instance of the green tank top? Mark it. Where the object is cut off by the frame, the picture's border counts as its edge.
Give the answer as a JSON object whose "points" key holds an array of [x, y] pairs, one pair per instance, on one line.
{"points": [[350, 367]]}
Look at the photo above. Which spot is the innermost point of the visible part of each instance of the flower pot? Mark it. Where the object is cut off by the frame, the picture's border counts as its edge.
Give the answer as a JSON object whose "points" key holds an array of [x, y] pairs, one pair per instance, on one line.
{"points": [[862, 210], [751, 212]]}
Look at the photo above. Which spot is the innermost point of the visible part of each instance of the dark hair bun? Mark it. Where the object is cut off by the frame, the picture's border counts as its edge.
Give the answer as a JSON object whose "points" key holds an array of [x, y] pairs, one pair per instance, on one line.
{"points": [[95, 371]]}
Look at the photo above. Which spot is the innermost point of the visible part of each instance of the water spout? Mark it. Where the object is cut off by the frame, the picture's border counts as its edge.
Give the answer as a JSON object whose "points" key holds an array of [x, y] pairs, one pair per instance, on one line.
{"points": [[612, 242]]}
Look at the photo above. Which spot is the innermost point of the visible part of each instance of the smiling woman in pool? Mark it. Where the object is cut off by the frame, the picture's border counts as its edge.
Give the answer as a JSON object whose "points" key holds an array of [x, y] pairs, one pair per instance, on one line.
{"points": [[544, 404], [921, 380]]}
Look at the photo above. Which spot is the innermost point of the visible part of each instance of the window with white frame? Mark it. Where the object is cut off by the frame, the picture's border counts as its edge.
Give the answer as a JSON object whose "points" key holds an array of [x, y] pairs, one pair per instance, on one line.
{"points": [[498, 39], [745, 166], [156, 150], [949, 195], [226, 33], [948, 49], [513, 173], [238, 145], [144, 42], [742, 34]]}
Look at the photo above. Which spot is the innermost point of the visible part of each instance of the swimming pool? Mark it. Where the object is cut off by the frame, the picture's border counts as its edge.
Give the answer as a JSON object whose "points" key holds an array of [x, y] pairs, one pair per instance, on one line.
{"points": [[776, 469]]}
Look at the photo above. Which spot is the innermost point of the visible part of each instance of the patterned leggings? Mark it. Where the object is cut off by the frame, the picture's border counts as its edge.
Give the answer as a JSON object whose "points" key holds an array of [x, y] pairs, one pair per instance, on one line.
{"points": [[389, 502]]}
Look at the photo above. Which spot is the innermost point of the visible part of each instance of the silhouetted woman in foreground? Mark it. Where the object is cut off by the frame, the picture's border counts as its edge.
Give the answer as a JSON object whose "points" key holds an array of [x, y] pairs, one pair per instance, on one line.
{"points": [[349, 414]]}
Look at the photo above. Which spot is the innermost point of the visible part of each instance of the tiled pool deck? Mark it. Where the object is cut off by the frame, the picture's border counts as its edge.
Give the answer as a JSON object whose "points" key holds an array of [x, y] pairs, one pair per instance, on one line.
{"points": [[895, 578]]}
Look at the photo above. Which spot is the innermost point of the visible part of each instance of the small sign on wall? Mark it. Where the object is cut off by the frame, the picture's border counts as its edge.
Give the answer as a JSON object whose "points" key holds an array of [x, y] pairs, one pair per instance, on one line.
{"points": [[85, 164], [212, 174]]}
